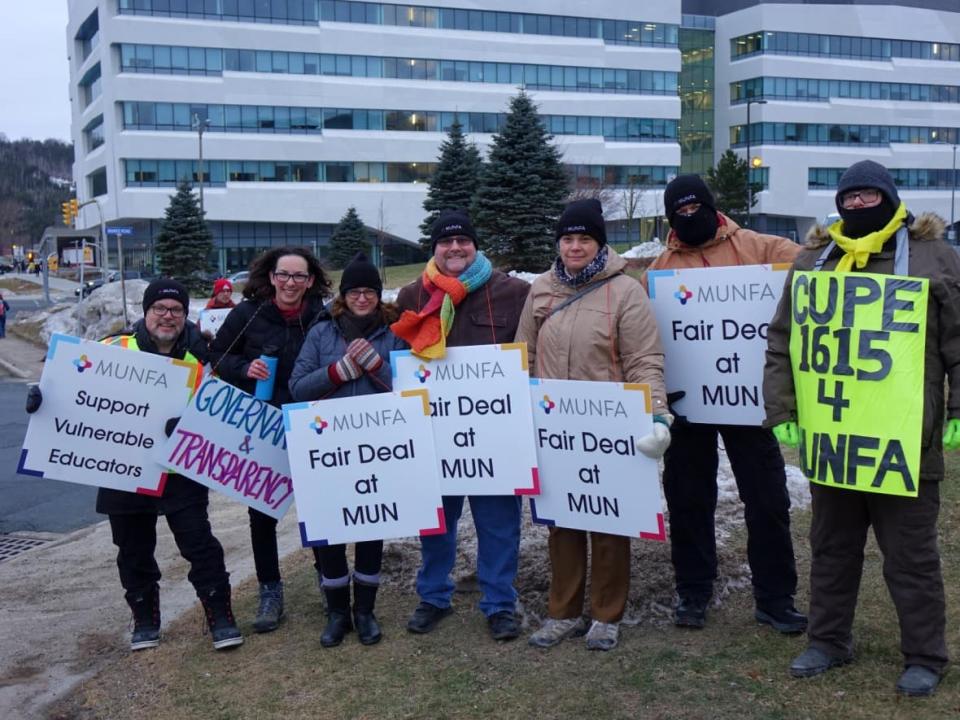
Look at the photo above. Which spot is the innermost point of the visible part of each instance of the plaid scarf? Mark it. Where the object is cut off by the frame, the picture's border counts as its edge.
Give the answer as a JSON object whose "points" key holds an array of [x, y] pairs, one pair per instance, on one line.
{"points": [[427, 330], [586, 274]]}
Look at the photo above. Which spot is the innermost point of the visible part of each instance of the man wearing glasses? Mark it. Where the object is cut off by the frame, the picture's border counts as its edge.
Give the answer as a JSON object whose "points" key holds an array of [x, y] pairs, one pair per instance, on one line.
{"points": [[877, 234], [133, 517], [480, 306]]}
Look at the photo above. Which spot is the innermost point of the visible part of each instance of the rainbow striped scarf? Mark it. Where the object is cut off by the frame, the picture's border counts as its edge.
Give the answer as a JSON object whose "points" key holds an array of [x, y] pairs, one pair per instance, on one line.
{"points": [[427, 330]]}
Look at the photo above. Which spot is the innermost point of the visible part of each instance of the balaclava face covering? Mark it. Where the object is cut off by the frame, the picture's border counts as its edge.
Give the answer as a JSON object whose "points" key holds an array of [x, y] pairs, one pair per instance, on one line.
{"points": [[696, 229], [858, 222]]}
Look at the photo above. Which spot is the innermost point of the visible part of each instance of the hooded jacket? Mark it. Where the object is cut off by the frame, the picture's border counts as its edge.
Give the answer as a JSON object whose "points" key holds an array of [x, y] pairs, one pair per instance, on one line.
{"points": [[609, 334], [930, 258]]}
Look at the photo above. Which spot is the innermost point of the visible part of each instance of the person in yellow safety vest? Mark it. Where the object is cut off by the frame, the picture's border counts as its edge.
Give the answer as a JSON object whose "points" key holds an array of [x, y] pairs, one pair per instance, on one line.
{"points": [[165, 330]]}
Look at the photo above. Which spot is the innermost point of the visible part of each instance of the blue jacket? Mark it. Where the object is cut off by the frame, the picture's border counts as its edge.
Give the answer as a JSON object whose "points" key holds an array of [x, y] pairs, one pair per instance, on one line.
{"points": [[325, 344]]}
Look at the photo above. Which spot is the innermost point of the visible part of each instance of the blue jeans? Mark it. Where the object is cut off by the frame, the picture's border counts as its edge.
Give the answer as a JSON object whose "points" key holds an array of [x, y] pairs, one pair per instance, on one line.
{"points": [[497, 520]]}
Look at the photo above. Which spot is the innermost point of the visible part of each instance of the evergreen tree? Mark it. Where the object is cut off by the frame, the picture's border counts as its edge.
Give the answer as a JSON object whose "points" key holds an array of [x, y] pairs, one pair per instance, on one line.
{"points": [[728, 182], [349, 237], [521, 193], [455, 180], [184, 242]]}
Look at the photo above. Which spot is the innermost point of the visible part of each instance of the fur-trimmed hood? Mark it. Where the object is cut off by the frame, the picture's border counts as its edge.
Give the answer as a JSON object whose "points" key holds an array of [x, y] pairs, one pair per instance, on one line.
{"points": [[926, 226]]}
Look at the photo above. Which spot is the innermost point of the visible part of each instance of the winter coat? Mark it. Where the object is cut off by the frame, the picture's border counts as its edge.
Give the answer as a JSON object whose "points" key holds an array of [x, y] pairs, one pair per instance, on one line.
{"points": [[930, 258], [610, 334], [732, 245], [254, 328], [325, 345], [486, 316], [178, 492]]}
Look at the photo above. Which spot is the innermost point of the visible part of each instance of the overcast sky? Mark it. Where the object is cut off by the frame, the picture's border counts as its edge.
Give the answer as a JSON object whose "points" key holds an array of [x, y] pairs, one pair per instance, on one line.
{"points": [[34, 78]]}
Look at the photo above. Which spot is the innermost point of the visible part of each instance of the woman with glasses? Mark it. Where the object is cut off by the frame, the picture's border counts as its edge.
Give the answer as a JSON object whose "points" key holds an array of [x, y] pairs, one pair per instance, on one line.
{"points": [[283, 299], [349, 356]]}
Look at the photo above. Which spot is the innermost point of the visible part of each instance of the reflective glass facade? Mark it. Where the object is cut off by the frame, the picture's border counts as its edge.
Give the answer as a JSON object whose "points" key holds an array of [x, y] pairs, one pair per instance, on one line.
{"points": [[839, 46], [811, 89], [906, 178], [696, 94], [825, 134]]}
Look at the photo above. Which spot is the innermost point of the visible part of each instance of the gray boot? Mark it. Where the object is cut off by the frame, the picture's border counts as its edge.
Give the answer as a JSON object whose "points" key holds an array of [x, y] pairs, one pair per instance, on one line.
{"points": [[270, 612]]}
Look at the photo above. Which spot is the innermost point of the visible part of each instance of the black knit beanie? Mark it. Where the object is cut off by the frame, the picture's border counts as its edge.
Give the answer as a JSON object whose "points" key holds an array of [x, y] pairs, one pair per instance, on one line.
{"points": [[583, 216], [868, 174], [166, 289], [450, 223], [360, 273], [685, 189]]}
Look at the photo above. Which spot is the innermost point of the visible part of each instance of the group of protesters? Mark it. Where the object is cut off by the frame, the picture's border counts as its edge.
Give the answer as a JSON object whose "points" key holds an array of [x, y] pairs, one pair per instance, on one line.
{"points": [[583, 319]]}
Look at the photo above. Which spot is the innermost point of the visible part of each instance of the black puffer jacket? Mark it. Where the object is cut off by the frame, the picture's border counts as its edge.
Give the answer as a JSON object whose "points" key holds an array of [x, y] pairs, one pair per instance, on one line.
{"points": [[254, 328], [178, 492]]}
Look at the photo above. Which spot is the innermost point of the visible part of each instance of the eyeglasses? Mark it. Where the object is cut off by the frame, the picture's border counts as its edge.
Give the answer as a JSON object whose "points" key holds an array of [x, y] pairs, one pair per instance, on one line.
{"points": [[867, 196], [285, 277], [459, 239], [688, 210], [174, 311], [356, 293]]}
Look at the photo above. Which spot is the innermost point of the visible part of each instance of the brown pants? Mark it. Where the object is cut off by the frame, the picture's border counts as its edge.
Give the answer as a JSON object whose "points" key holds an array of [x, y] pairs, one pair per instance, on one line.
{"points": [[906, 531], [609, 574]]}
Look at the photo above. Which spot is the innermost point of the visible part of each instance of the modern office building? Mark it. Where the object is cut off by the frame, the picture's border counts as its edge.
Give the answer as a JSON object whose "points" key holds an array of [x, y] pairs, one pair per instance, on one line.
{"points": [[827, 84], [310, 106]]}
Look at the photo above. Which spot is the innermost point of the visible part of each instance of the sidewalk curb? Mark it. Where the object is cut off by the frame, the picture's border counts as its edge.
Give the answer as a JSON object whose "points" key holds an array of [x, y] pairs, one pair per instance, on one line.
{"points": [[13, 369]]}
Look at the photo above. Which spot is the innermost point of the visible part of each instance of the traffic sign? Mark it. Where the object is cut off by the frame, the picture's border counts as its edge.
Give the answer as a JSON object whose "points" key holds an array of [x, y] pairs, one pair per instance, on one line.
{"points": [[119, 231]]}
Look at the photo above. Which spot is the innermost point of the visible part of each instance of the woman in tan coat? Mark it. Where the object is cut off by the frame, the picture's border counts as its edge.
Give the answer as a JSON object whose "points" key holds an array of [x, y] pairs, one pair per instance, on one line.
{"points": [[587, 320]]}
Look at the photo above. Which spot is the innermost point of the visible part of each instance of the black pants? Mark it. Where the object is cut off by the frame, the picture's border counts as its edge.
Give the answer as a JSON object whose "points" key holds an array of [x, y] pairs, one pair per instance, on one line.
{"points": [[135, 536], [263, 539], [906, 531], [331, 560], [690, 486]]}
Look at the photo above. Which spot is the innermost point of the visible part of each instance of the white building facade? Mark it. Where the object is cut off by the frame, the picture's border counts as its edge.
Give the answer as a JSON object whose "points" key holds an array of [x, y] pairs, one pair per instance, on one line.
{"points": [[312, 106]]}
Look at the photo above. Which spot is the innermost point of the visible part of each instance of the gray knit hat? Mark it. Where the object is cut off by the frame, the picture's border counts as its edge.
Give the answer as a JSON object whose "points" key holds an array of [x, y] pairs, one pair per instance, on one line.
{"points": [[867, 174]]}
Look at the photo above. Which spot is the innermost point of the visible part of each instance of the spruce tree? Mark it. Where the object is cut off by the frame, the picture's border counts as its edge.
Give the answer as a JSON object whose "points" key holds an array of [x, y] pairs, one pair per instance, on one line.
{"points": [[455, 180], [521, 193], [184, 242], [728, 182], [349, 237]]}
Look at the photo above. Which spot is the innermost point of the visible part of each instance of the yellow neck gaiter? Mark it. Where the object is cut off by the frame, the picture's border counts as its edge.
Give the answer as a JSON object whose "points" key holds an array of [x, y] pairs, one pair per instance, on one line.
{"points": [[860, 249]]}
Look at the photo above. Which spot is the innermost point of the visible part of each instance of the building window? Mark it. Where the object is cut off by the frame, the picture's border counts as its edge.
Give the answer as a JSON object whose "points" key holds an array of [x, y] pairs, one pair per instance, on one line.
{"points": [[90, 86], [93, 133], [88, 36], [839, 46], [905, 178], [829, 134], [97, 182], [816, 90]]}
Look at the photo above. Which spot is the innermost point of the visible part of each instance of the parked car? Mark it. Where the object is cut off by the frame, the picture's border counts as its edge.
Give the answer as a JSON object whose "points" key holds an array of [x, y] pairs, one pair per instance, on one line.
{"points": [[113, 276], [239, 277]]}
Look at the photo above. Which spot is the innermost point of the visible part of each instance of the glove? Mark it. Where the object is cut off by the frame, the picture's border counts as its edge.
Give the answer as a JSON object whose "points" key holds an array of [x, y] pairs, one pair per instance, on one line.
{"points": [[170, 426], [364, 355], [656, 443], [951, 436], [344, 370], [34, 398], [789, 434], [678, 419]]}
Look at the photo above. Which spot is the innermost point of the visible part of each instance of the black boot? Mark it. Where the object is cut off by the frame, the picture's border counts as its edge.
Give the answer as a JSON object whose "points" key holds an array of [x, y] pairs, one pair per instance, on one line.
{"points": [[223, 628], [364, 598], [146, 618], [338, 616]]}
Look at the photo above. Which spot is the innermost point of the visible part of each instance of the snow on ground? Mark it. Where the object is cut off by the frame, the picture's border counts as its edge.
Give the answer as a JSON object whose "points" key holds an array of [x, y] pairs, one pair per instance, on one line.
{"points": [[650, 248]]}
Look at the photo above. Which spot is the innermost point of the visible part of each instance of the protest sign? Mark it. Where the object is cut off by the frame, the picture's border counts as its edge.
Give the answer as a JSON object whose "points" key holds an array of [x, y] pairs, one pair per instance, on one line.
{"points": [[364, 468], [235, 444], [857, 345], [713, 325], [103, 415], [592, 477], [211, 320], [482, 421]]}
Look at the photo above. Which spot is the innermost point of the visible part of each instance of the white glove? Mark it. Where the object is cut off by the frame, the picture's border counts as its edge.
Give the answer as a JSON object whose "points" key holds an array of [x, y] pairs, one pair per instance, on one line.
{"points": [[656, 443]]}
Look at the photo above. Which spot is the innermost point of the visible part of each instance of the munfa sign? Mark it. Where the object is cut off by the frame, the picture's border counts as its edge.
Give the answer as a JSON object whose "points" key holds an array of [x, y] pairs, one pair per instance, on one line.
{"points": [[480, 405], [103, 415], [713, 325], [592, 475], [235, 444], [364, 468]]}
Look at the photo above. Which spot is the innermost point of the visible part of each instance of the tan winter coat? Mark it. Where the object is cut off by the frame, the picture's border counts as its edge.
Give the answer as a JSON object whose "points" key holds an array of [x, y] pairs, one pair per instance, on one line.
{"points": [[609, 334], [930, 258]]}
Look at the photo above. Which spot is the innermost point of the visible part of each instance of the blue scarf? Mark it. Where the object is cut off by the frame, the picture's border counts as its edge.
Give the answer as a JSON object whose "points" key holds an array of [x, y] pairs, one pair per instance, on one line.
{"points": [[586, 274]]}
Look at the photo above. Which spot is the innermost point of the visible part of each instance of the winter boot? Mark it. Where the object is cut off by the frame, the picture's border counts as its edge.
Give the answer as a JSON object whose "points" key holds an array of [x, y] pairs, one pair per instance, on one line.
{"points": [[364, 598], [146, 618], [338, 615], [223, 628], [270, 612]]}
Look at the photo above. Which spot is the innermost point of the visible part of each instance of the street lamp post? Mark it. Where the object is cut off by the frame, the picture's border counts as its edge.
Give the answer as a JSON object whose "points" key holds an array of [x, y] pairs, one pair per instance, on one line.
{"points": [[750, 101], [200, 125]]}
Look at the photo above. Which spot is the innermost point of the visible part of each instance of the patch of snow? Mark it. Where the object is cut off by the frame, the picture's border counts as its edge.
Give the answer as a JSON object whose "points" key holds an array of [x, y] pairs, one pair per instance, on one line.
{"points": [[523, 275], [643, 250]]}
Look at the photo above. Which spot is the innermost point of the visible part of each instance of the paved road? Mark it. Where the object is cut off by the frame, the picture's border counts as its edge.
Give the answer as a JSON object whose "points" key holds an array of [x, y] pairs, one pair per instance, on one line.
{"points": [[34, 504]]}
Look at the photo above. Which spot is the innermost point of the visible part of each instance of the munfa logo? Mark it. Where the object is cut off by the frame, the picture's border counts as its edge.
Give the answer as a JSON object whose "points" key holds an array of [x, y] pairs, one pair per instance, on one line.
{"points": [[82, 363], [319, 424], [547, 404], [683, 294], [422, 374]]}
